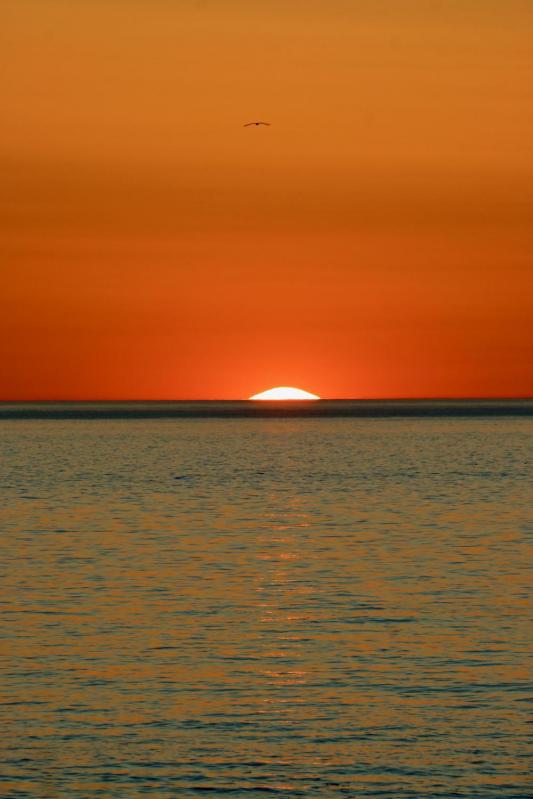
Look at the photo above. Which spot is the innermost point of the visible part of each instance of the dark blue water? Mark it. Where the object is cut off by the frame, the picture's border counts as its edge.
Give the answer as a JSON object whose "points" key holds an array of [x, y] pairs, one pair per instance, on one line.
{"points": [[316, 607], [244, 409]]}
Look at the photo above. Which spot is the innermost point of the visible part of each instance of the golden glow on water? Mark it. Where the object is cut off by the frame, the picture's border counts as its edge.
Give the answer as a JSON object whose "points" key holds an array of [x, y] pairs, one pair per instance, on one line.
{"points": [[332, 606]]}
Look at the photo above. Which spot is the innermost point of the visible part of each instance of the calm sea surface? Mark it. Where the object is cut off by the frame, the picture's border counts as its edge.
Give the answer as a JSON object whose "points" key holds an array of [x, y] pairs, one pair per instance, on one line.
{"points": [[315, 607]]}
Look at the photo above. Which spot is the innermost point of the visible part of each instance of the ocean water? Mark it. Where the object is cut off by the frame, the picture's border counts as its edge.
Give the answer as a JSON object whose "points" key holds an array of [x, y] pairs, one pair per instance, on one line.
{"points": [[286, 607]]}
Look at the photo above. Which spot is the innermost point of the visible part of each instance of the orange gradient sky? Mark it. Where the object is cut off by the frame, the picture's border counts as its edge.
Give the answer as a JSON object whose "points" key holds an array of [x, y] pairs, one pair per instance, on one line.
{"points": [[375, 241]]}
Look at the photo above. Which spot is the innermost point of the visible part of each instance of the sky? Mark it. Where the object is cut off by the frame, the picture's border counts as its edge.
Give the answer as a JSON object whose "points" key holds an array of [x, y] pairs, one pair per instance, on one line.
{"points": [[374, 241]]}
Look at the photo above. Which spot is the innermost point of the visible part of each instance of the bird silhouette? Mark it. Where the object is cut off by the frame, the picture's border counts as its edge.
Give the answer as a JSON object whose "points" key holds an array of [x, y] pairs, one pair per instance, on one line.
{"points": [[247, 125]]}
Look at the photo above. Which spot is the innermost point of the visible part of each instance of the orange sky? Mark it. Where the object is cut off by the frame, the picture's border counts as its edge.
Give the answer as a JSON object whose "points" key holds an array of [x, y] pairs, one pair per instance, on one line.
{"points": [[375, 241]]}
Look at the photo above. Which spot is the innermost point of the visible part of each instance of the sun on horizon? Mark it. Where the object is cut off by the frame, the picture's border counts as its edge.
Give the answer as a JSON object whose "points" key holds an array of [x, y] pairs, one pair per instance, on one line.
{"points": [[284, 393]]}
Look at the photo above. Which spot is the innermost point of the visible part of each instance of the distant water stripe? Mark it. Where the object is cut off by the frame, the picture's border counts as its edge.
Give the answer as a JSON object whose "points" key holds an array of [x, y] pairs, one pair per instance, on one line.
{"points": [[244, 409]]}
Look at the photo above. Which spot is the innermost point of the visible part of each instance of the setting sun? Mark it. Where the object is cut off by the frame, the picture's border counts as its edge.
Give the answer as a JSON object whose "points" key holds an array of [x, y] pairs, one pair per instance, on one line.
{"points": [[284, 393]]}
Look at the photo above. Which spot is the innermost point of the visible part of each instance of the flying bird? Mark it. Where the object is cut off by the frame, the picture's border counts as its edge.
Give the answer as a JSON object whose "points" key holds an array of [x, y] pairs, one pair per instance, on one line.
{"points": [[256, 123]]}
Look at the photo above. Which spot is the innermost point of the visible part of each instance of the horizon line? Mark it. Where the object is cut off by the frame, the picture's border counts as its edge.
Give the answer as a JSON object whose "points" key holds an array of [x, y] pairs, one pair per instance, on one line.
{"points": [[437, 398]]}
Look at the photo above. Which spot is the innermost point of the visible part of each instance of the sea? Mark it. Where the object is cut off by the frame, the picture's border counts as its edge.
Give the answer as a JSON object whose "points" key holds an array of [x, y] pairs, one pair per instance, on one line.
{"points": [[325, 599]]}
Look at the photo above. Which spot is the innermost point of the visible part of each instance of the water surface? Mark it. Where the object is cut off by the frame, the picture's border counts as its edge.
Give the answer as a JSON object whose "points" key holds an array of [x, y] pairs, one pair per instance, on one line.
{"points": [[315, 607]]}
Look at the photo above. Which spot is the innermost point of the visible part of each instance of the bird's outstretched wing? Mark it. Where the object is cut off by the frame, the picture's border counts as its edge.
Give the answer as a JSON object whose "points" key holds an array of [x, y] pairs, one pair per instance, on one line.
{"points": [[247, 125]]}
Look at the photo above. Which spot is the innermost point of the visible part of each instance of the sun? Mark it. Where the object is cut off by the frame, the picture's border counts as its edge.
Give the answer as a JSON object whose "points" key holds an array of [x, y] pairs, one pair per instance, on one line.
{"points": [[284, 393]]}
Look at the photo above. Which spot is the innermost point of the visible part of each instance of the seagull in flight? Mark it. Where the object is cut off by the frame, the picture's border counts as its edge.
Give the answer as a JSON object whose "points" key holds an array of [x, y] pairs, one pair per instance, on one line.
{"points": [[247, 125]]}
